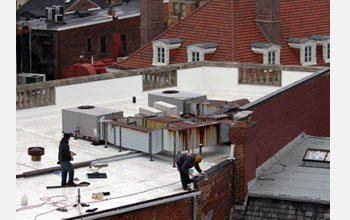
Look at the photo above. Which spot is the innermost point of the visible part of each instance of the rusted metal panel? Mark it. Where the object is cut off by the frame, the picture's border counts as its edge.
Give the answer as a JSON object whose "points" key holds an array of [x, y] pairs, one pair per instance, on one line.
{"points": [[159, 122]]}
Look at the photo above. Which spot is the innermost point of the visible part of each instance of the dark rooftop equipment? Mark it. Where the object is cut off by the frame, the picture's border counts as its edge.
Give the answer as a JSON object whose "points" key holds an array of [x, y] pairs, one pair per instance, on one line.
{"points": [[36, 153], [82, 13]]}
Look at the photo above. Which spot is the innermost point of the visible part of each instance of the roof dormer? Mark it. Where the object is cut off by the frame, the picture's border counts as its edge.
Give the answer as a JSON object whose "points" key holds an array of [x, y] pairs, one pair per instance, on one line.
{"points": [[197, 51], [307, 48], [161, 49], [270, 51], [324, 41]]}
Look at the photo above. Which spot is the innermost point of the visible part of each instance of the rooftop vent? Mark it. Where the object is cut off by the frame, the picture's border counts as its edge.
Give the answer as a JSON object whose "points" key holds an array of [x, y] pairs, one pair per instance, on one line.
{"points": [[86, 107], [170, 91]]}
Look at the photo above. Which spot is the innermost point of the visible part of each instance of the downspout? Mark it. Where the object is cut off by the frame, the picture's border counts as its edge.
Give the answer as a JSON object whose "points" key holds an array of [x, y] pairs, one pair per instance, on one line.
{"points": [[194, 207], [30, 51]]}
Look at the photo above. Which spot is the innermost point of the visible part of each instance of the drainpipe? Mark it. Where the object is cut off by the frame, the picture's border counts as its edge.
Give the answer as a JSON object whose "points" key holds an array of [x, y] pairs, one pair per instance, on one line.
{"points": [[194, 207]]}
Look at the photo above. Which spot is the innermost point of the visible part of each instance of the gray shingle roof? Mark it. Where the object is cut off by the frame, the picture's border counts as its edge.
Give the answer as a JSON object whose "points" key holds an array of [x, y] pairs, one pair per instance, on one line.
{"points": [[38, 7], [206, 45], [171, 40], [265, 208], [297, 40], [318, 37], [261, 44]]}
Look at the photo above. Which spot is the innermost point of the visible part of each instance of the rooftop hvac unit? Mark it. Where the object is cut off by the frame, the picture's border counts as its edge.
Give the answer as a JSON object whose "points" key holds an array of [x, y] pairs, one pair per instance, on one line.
{"points": [[85, 121], [59, 9], [59, 18], [26, 78], [50, 13], [174, 97]]}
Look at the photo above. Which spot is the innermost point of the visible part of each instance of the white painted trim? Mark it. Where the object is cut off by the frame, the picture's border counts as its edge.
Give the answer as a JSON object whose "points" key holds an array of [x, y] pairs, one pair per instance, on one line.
{"points": [[129, 16], [85, 24], [325, 50]]}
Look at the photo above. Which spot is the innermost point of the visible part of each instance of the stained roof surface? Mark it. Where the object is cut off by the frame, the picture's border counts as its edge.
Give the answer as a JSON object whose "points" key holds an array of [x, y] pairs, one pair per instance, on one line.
{"points": [[289, 179]]}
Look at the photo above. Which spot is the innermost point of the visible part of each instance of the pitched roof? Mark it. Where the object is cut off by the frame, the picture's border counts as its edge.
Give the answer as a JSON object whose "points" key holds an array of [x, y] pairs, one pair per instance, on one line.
{"points": [[37, 7], [231, 23], [202, 25]]}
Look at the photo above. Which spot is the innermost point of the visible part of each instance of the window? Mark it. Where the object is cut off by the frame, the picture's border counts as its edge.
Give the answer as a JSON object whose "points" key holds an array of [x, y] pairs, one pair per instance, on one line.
{"points": [[328, 50], [89, 45], [195, 56], [124, 43], [271, 57], [307, 56], [103, 45], [183, 9], [161, 54], [176, 9]]}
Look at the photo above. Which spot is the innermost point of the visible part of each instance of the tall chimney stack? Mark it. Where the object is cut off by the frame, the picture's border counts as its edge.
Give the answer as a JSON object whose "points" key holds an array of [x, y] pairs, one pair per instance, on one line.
{"points": [[268, 19], [151, 19]]}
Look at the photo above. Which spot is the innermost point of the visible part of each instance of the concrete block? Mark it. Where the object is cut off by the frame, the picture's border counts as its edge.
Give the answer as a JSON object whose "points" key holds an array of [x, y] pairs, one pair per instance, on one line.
{"points": [[167, 108], [149, 111]]}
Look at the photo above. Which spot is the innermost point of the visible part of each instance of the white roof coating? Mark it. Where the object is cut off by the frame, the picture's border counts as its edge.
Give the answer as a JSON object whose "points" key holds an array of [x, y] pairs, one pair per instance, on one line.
{"points": [[290, 179], [42, 126]]}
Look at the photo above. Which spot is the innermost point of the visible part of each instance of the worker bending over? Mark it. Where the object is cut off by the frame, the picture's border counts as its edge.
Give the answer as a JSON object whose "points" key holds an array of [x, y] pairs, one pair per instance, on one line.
{"points": [[184, 163]]}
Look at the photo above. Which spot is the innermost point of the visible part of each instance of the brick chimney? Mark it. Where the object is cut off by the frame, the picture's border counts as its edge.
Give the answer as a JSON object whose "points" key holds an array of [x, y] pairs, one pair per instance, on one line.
{"points": [[151, 19], [268, 19], [243, 136]]}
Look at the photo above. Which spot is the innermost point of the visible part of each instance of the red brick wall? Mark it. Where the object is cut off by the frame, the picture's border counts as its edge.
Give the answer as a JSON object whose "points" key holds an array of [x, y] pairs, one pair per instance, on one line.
{"points": [[71, 42], [178, 210], [216, 194], [130, 27], [244, 138], [216, 198], [302, 109], [305, 108]]}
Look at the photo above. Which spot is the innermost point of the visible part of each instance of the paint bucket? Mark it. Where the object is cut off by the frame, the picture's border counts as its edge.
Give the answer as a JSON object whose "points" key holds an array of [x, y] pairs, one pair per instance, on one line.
{"points": [[24, 200]]}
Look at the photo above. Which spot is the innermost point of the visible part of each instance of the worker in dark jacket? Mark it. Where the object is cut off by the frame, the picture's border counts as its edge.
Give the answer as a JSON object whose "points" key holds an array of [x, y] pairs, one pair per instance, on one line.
{"points": [[64, 158], [184, 163]]}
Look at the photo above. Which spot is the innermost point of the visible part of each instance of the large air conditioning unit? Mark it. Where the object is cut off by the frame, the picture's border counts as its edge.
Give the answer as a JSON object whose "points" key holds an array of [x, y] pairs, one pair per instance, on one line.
{"points": [[86, 121], [26, 78]]}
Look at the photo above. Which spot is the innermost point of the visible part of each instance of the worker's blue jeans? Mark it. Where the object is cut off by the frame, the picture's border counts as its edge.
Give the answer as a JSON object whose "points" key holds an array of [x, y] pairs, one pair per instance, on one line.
{"points": [[67, 167]]}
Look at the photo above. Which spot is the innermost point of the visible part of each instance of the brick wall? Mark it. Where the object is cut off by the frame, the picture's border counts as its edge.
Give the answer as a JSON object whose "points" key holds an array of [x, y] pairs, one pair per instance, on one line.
{"points": [[216, 197], [214, 202], [245, 139], [71, 42], [305, 108], [129, 27], [178, 210]]}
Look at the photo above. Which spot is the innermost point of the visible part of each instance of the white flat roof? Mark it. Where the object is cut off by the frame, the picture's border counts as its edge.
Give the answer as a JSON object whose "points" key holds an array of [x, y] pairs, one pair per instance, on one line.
{"points": [[42, 126]]}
